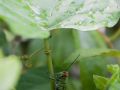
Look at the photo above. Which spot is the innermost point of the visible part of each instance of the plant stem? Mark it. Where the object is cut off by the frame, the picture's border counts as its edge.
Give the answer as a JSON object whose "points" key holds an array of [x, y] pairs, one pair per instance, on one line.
{"points": [[49, 62]]}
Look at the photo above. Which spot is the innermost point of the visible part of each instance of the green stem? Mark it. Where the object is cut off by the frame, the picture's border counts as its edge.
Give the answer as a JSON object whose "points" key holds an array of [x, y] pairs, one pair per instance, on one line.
{"points": [[49, 62]]}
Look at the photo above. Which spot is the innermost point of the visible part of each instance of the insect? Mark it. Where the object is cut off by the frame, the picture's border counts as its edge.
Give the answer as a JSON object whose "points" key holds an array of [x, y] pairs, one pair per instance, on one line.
{"points": [[61, 77]]}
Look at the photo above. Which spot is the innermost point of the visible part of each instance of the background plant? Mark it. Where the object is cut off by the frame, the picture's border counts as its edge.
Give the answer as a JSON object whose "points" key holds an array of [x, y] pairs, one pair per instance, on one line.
{"points": [[111, 83], [32, 28]]}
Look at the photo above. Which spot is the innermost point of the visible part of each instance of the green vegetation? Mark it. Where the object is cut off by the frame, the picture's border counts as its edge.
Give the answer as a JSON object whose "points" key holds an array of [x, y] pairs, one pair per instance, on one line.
{"points": [[59, 44]]}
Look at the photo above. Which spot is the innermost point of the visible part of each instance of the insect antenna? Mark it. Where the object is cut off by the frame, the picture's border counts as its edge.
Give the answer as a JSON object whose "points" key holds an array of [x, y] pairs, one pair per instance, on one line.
{"points": [[72, 62], [36, 52]]}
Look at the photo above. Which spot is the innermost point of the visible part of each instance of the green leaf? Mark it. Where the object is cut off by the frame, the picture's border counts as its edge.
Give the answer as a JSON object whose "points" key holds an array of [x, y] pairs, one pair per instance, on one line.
{"points": [[20, 19], [112, 83], [33, 18], [113, 68], [10, 69], [85, 53], [78, 14], [100, 82], [35, 79]]}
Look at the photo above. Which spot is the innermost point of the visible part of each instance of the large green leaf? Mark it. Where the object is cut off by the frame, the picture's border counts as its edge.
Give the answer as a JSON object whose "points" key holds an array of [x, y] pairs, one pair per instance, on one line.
{"points": [[20, 19], [33, 18], [77, 14], [10, 69], [35, 79]]}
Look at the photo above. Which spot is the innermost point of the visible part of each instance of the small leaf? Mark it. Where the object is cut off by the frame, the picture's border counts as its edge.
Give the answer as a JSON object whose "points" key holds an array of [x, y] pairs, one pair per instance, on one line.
{"points": [[113, 83], [100, 82], [113, 68]]}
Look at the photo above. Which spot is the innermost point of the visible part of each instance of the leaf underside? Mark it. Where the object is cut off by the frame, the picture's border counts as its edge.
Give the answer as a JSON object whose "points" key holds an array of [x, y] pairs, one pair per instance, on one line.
{"points": [[34, 18]]}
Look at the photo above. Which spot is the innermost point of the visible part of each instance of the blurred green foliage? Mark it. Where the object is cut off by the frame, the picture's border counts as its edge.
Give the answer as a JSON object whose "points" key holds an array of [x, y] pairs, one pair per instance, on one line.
{"points": [[10, 70], [111, 83], [22, 35]]}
